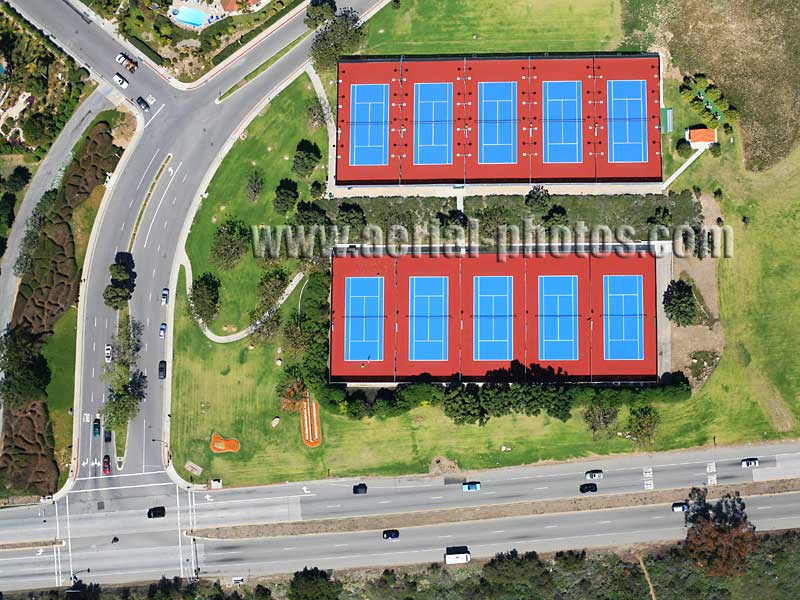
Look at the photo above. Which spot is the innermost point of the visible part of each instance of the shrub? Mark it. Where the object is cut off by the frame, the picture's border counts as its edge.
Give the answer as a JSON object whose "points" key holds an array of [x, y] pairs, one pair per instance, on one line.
{"points": [[715, 149], [318, 12], [680, 304], [286, 196], [683, 148], [700, 81], [203, 303], [306, 157], [229, 243]]}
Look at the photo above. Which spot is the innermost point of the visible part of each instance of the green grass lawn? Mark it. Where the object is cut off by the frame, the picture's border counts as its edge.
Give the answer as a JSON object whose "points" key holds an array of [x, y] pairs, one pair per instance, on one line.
{"points": [[457, 26], [59, 350], [271, 137]]}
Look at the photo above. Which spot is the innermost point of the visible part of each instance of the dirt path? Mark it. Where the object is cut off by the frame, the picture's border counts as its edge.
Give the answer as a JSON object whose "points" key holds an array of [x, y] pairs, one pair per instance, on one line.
{"points": [[647, 577]]}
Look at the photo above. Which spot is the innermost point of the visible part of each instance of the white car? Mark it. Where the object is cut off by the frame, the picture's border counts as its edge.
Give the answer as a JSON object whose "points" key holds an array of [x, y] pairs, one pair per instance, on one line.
{"points": [[164, 296], [108, 353], [749, 462], [594, 474], [120, 81], [162, 331]]}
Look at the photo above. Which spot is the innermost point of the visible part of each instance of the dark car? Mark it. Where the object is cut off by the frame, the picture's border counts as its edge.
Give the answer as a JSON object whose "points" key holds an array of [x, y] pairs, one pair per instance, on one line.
{"points": [[107, 436], [156, 512], [162, 369], [360, 488], [391, 534], [96, 428], [106, 465], [588, 487], [143, 104]]}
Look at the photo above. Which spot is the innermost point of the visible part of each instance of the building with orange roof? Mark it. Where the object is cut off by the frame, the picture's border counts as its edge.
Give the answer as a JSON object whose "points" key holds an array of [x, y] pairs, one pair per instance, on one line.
{"points": [[701, 137]]}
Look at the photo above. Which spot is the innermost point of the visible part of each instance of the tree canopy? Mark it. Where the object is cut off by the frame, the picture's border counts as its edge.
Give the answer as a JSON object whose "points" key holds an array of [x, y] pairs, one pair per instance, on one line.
{"points": [[26, 373], [680, 304], [339, 36]]}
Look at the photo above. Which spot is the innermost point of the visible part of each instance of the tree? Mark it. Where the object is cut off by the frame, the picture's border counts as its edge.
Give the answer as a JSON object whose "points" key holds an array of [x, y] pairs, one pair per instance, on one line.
{"points": [[713, 93], [310, 214], [341, 35], [124, 400], [316, 113], [18, 179], [26, 373], [556, 216], [123, 281], [318, 12], [510, 574], [203, 301], [313, 584], [128, 342], [306, 157], [262, 593], [720, 537], [643, 422], [700, 81], [351, 215], [265, 318], [662, 217], [601, 414], [680, 304], [684, 148], [463, 405], [286, 196], [116, 297], [715, 149], [255, 185], [229, 243], [538, 199]]}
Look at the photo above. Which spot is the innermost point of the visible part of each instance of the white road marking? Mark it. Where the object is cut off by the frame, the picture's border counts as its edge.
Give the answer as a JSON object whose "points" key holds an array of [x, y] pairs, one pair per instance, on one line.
{"points": [[499, 531], [763, 507], [334, 506], [339, 545], [180, 541], [444, 536], [121, 475], [659, 517], [487, 493], [264, 498], [385, 502], [550, 526], [160, 108], [145, 170], [121, 487], [169, 183], [436, 497], [604, 522], [543, 488]]}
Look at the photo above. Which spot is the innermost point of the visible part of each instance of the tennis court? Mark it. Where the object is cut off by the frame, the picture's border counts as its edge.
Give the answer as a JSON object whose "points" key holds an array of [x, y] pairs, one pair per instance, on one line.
{"points": [[369, 124], [363, 318], [427, 302], [497, 122], [558, 317], [433, 123], [623, 317], [493, 318], [561, 108], [627, 121]]}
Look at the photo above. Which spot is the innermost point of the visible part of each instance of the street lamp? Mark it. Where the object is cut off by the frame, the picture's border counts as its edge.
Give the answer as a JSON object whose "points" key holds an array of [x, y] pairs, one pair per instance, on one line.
{"points": [[169, 452]]}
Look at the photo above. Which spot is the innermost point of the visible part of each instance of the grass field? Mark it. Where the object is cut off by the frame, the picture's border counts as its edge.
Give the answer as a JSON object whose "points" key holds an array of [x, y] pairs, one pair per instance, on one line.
{"points": [[457, 26], [271, 137]]}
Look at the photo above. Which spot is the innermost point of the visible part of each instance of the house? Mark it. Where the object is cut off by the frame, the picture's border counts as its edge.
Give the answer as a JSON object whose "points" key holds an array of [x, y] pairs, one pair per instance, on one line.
{"points": [[230, 6], [701, 137]]}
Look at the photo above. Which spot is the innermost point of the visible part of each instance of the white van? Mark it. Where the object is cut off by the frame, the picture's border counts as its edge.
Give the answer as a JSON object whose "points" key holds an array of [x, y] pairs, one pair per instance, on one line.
{"points": [[456, 555]]}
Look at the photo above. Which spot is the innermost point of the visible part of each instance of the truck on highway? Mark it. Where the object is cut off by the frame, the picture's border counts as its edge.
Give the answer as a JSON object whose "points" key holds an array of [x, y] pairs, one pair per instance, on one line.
{"points": [[456, 555]]}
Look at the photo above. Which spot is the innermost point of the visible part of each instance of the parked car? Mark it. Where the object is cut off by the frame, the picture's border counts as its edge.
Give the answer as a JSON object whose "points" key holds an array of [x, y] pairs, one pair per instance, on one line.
{"points": [[96, 428], [143, 104], [127, 62], [120, 81], [680, 507], [588, 487], [107, 436], [164, 296], [106, 465], [749, 462], [457, 555], [360, 488], [471, 486], [156, 512], [594, 474], [162, 331], [162, 369], [108, 353], [391, 534]]}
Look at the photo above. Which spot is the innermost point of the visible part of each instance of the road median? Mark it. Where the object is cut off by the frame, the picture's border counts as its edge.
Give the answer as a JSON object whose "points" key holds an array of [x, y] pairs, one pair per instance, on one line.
{"points": [[424, 518]]}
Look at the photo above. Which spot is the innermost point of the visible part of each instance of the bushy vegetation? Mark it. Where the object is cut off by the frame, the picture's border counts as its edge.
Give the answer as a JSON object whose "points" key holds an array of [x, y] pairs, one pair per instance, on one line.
{"points": [[127, 385], [680, 304], [340, 36]]}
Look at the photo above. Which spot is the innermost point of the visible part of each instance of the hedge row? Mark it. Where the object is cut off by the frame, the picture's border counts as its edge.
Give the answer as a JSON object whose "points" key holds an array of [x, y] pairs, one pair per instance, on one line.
{"points": [[148, 51]]}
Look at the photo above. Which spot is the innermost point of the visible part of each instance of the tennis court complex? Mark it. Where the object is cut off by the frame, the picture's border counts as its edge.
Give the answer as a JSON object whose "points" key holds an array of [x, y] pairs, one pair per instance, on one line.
{"points": [[494, 119], [588, 317]]}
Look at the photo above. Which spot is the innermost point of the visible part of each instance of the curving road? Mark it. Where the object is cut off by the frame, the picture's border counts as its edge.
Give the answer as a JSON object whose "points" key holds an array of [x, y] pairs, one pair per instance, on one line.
{"points": [[188, 132]]}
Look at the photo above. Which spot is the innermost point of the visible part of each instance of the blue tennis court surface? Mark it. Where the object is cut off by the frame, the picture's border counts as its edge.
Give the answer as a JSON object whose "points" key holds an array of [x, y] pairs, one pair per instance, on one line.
{"points": [[497, 122], [433, 123], [369, 124], [427, 302], [623, 317], [563, 129], [493, 334], [363, 336], [627, 121], [558, 317]]}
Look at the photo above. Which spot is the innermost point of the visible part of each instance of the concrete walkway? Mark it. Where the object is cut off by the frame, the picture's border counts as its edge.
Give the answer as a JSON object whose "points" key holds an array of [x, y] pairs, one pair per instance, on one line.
{"points": [[319, 88], [239, 335], [681, 169]]}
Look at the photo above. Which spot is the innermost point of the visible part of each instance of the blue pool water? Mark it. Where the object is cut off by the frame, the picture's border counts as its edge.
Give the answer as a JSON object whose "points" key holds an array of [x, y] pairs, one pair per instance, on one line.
{"points": [[190, 16]]}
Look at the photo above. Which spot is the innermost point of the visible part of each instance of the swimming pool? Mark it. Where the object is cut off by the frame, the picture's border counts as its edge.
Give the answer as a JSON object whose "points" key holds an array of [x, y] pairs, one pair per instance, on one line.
{"points": [[190, 16]]}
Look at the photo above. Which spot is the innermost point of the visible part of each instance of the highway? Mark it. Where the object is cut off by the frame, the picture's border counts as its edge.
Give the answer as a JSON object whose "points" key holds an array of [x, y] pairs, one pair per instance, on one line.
{"points": [[187, 132]]}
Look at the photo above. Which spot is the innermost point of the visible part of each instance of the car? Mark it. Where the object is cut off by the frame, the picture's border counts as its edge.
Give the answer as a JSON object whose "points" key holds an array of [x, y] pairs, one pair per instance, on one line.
{"points": [[391, 534], [156, 512], [107, 436], [749, 462], [162, 369], [120, 81], [471, 486], [360, 488], [594, 474], [164, 296], [96, 428], [143, 104], [108, 353], [127, 62], [680, 506], [106, 465], [162, 331], [588, 487]]}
